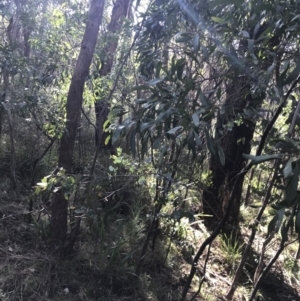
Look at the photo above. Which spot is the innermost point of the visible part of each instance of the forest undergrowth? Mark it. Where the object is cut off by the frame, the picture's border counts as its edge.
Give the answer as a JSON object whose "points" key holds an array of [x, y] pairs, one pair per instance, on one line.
{"points": [[102, 266]]}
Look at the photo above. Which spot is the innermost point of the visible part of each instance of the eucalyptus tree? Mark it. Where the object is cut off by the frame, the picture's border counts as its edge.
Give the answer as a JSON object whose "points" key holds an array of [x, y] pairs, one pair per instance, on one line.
{"points": [[73, 110], [110, 40]]}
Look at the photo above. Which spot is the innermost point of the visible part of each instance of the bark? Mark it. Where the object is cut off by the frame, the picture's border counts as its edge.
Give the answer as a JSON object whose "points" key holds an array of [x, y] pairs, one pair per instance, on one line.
{"points": [[234, 142], [120, 10], [73, 109]]}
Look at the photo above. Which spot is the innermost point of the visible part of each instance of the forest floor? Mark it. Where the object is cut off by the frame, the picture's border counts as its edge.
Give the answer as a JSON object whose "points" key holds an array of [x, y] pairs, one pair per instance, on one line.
{"points": [[102, 268]]}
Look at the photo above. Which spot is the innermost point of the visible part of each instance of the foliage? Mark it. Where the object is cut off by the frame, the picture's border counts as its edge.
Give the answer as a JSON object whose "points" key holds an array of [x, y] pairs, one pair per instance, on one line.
{"points": [[193, 73], [232, 250]]}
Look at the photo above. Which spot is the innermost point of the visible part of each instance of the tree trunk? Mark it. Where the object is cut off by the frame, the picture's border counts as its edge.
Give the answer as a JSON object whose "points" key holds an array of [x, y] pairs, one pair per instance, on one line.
{"points": [[73, 109], [119, 11], [235, 140]]}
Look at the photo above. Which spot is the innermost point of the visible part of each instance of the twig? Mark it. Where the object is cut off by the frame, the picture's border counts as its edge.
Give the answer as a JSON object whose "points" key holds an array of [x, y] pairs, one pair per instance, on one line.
{"points": [[204, 272]]}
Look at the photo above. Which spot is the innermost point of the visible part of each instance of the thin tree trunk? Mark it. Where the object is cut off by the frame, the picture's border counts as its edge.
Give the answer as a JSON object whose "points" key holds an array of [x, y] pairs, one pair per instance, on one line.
{"points": [[73, 109], [13, 179], [247, 197], [120, 10]]}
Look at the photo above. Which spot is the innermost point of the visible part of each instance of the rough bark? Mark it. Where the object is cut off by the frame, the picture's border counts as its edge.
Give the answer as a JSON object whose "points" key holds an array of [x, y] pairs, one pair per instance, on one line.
{"points": [[234, 142], [120, 11], [73, 109]]}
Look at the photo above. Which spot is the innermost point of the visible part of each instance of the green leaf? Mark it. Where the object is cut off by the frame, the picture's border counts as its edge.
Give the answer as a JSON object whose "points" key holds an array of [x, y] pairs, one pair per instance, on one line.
{"points": [[292, 76], [107, 140], [132, 143], [182, 37], [155, 81], [197, 139], [180, 68], [218, 20], [175, 131], [190, 140], [196, 119], [219, 94], [203, 98], [141, 101], [210, 144], [146, 125], [296, 17], [288, 170], [282, 76], [245, 34], [196, 42], [141, 180], [284, 232], [141, 87], [272, 224], [158, 68], [251, 45], [280, 214], [270, 69], [221, 154], [205, 52], [180, 213], [260, 159], [291, 188], [116, 134]]}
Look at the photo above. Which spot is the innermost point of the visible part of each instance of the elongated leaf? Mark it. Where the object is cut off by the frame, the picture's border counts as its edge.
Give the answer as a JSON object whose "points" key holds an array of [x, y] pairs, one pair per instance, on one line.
{"points": [[219, 96], [292, 76], [197, 139], [190, 140], [283, 74], [175, 131], [288, 170], [245, 34], [132, 143], [196, 42], [205, 52], [291, 188], [210, 144], [284, 232], [182, 37], [251, 45], [203, 98], [141, 87], [260, 159], [155, 81], [218, 20], [116, 134], [146, 125], [280, 214], [270, 69], [221, 154], [272, 224], [296, 17], [141, 101], [196, 119], [158, 68], [180, 69]]}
